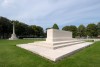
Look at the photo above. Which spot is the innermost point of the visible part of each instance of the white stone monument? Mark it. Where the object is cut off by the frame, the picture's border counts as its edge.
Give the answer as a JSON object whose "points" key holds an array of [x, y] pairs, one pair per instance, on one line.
{"points": [[57, 39], [13, 36], [58, 45], [54, 35]]}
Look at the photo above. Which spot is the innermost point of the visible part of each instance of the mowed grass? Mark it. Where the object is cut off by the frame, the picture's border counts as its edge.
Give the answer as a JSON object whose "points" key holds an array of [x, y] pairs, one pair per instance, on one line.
{"points": [[13, 56]]}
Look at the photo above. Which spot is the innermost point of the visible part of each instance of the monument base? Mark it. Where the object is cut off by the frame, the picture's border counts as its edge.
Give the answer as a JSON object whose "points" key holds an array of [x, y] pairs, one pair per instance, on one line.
{"points": [[58, 45], [13, 37], [54, 54]]}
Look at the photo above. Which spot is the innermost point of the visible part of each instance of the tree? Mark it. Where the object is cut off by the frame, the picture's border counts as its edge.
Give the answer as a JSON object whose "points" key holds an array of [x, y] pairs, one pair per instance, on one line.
{"points": [[66, 28], [71, 28], [48, 28], [55, 26], [98, 28], [38, 31], [34, 30], [20, 28], [82, 31], [92, 30], [5, 27], [74, 30]]}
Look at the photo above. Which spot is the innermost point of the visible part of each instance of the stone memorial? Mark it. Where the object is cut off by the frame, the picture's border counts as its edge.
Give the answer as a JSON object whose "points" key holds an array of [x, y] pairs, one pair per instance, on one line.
{"points": [[57, 39], [54, 35], [13, 36], [58, 45]]}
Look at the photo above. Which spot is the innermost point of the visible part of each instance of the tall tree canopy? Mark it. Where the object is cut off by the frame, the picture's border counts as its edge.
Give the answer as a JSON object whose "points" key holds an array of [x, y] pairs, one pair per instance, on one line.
{"points": [[92, 30], [5, 27], [71, 28], [98, 27], [66, 28], [55, 26], [24, 30], [37, 31], [21, 29], [82, 31]]}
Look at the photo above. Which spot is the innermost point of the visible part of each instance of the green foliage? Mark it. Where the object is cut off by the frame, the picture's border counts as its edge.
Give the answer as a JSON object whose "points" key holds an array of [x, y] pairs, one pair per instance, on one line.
{"points": [[92, 30], [66, 28], [82, 31], [89, 40], [5, 27], [98, 27], [47, 28], [55, 26], [24, 30], [21, 29], [40, 32], [37, 31], [71, 28]]}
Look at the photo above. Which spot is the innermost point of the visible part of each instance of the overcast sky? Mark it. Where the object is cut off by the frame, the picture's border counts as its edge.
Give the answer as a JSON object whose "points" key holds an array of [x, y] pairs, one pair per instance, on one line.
{"points": [[47, 12]]}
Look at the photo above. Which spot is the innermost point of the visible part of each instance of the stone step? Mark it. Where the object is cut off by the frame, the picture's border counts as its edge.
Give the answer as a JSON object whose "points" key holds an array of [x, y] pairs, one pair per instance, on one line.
{"points": [[64, 42], [67, 44], [54, 40], [55, 43], [48, 45]]}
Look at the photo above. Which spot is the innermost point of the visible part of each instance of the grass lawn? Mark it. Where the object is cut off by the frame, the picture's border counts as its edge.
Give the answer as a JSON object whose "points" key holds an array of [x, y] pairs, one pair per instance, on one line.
{"points": [[12, 56]]}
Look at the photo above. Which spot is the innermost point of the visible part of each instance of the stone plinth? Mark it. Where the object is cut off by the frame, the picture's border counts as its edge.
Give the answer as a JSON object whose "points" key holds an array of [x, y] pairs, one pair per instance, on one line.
{"points": [[54, 35], [13, 37]]}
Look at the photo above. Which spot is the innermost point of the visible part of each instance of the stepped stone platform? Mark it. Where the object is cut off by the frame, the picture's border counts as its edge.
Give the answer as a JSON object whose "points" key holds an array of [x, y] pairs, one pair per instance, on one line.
{"points": [[56, 54], [58, 45]]}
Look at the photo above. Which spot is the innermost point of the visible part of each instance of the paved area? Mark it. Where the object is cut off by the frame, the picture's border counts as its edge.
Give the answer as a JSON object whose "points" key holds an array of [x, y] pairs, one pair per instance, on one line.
{"points": [[56, 54]]}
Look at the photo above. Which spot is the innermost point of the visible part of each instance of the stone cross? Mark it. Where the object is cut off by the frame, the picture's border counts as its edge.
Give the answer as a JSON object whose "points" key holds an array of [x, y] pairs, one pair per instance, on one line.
{"points": [[13, 36], [13, 28]]}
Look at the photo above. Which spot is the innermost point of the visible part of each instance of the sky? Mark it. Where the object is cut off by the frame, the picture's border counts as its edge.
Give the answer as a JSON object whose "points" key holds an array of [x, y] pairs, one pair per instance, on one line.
{"points": [[45, 13]]}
